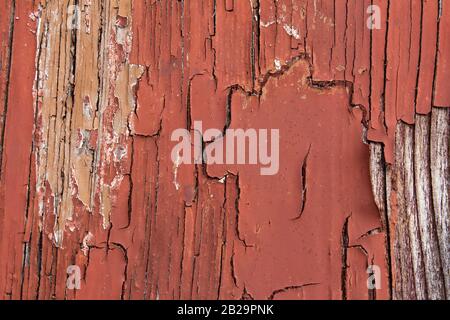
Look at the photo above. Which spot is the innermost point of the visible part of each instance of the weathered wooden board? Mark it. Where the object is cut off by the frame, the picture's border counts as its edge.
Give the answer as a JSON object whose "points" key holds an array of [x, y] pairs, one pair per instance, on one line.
{"points": [[92, 91]]}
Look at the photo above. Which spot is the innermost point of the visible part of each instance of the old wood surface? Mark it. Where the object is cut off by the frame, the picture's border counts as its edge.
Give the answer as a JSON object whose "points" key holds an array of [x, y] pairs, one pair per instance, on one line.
{"points": [[92, 90]]}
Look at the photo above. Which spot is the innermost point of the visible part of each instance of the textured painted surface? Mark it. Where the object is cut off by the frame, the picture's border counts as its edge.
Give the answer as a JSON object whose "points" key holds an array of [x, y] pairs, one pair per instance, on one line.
{"points": [[87, 177]]}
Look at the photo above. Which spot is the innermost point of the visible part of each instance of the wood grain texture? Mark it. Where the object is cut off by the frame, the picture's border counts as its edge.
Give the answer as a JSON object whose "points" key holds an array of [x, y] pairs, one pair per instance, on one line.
{"points": [[92, 90]]}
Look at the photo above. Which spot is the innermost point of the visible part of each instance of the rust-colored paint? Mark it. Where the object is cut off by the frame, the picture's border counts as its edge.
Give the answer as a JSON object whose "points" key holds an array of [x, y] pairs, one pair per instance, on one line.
{"points": [[88, 105]]}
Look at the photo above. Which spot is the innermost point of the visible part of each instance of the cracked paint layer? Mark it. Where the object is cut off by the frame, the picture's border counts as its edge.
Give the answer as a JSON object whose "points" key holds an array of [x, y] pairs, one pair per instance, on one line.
{"points": [[87, 179]]}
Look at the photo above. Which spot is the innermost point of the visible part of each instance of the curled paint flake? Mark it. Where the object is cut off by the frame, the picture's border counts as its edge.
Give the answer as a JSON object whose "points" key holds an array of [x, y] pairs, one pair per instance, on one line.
{"points": [[175, 172], [58, 237], [87, 108], [87, 241], [277, 64], [291, 31], [119, 153], [266, 24]]}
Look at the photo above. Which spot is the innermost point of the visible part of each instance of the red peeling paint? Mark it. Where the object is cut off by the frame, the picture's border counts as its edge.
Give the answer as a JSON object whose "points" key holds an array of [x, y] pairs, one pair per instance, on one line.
{"points": [[87, 178]]}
